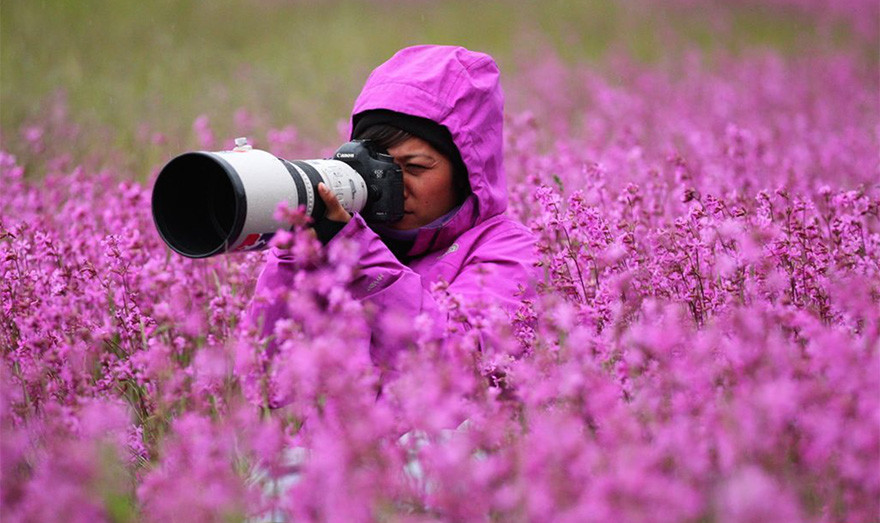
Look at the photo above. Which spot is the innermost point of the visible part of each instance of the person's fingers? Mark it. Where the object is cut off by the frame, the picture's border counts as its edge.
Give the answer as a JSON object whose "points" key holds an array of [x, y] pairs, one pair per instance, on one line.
{"points": [[335, 211]]}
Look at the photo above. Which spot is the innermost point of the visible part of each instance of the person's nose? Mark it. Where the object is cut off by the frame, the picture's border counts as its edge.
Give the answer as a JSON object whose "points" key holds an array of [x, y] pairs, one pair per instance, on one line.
{"points": [[406, 187]]}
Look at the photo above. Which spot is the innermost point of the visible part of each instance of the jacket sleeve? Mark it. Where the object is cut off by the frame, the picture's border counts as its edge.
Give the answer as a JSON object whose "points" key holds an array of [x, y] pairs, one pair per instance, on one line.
{"points": [[398, 295]]}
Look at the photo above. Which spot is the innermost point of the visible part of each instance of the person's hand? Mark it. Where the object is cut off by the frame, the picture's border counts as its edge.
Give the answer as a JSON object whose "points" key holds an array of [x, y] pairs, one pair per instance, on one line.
{"points": [[335, 211]]}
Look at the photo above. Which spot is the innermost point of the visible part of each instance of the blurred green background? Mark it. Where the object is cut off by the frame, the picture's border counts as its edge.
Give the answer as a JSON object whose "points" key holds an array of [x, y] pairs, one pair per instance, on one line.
{"points": [[129, 69]]}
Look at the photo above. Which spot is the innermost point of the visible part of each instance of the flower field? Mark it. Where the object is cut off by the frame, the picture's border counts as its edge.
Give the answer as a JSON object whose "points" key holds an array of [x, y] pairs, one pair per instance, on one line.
{"points": [[705, 344]]}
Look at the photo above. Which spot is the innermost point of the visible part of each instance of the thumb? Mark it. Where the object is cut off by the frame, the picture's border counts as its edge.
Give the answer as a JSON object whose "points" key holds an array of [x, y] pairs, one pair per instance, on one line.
{"points": [[335, 211]]}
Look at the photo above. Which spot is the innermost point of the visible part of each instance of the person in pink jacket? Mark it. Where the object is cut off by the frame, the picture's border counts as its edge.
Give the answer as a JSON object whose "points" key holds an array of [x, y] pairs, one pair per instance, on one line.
{"points": [[438, 111]]}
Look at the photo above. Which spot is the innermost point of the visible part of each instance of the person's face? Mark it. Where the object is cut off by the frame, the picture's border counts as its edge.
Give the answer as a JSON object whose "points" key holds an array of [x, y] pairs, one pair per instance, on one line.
{"points": [[428, 191]]}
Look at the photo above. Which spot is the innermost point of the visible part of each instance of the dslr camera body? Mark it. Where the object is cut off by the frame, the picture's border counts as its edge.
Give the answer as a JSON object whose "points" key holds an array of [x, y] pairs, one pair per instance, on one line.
{"points": [[209, 203]]}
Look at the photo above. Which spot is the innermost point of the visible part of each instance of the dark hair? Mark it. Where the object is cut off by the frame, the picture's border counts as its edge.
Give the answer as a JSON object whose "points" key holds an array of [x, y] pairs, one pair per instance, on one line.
{"points": [[387, 136], [384, 135]]}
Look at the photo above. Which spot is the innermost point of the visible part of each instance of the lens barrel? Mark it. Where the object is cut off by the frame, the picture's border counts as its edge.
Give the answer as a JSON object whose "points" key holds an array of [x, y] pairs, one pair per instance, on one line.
{"points": [[208, 203]]}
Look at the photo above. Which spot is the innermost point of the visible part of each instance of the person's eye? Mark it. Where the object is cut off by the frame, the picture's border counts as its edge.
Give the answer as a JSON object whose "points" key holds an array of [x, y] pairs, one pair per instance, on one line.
{"points": [[416, 168]]}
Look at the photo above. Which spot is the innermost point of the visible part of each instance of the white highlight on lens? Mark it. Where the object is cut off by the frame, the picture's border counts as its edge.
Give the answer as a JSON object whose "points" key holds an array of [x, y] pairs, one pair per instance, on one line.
{"points": [[266, 183], [344, 182]]}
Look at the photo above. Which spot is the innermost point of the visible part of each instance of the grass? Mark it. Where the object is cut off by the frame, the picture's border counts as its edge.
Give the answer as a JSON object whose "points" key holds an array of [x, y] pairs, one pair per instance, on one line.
{"points": [[127, 66]]}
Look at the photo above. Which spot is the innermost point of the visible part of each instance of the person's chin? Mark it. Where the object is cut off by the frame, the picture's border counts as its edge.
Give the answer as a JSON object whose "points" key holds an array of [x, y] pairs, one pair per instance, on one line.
{"points": [[406, 223]]}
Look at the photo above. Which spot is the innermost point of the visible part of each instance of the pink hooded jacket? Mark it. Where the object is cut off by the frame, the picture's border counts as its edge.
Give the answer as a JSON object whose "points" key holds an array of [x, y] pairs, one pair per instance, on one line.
{"points": [[480, 252]]}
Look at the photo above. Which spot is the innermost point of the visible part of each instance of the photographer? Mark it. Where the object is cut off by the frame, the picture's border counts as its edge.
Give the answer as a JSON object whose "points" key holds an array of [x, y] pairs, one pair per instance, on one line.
{"points": [[438, 111]]}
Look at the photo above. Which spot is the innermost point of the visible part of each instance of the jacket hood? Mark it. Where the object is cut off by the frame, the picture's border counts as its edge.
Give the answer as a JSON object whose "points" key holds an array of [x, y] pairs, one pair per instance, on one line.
{"points": [[461, 90]]}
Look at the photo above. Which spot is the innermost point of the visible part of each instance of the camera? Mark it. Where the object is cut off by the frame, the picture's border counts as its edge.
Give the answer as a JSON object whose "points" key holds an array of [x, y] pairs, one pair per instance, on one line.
{"points": [[208, 203]]}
